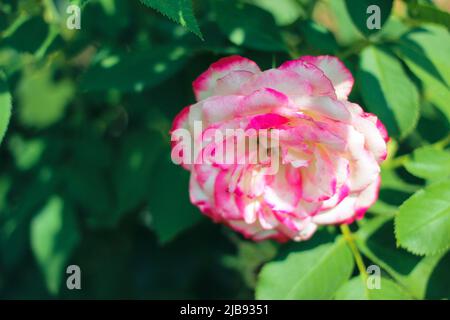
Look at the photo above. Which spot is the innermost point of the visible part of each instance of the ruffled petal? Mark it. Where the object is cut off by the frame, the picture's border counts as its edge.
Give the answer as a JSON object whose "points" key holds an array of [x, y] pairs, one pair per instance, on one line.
{"points": [[287, 82], [336, 71], [324, 106], [205, 84], [363, 166], [284, 190], [342, 212], [367, 198], [231, 83], [262, 101], [319, 179], [320, 84], [367, 124]]}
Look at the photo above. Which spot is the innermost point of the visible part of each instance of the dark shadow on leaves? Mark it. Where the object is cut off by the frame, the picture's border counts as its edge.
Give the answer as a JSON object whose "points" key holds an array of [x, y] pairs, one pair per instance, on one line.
{"points": [[439, 283], [414, 52], [374, 100], [382, 243]]}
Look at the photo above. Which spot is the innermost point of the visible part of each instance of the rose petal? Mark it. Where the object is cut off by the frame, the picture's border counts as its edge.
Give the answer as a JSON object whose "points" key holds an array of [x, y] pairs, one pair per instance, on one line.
{"points": [[324, 106], [321, 85], [336, 71], [287, 82], [205, 84], [338, 214]]}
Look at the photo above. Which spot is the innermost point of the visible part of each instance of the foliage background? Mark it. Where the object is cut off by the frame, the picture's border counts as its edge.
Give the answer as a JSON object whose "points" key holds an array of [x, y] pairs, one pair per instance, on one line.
{"points": [[85, 170]]}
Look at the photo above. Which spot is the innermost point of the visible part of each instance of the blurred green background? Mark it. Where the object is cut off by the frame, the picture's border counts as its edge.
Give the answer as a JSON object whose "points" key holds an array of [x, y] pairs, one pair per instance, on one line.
{"points": [[85, 170]]}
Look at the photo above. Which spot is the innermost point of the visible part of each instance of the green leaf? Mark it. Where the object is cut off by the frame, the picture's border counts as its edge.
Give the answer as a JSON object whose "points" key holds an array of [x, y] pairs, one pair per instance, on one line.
{"points": [[5, 106], [438, 287], [42, 102], [318, 37], [170, 209], [429, 163], [5, 186], [249, 258], [54, 236], [393, 192], [285, 12], [376, 240], [134, 71], [15, 219], [90, 191], [25, 34], [26, 153], [358, 12], [387, 91], [424, 52], [391, 180], [428, 13], [134, 168], [393, 29], [180, 11], [335, 17], [354, 290], [423, 222], [425, 48], [248, 26], [314, 273], [90, 187]]}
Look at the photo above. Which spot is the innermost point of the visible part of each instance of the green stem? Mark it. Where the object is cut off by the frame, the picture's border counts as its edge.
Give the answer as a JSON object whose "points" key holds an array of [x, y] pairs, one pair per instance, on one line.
{"points": [[400, 160], [397, 162], [441, 144], [350, 239], [356, 48]]}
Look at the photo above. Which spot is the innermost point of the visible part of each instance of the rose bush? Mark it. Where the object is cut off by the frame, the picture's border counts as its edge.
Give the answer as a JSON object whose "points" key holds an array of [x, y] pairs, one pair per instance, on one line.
{"points": [[86, 176], [329, 148]]}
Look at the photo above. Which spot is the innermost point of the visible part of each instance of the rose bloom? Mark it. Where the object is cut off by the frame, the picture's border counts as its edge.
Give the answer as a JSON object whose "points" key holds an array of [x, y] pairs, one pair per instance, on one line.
{"points": [[329, 149]]}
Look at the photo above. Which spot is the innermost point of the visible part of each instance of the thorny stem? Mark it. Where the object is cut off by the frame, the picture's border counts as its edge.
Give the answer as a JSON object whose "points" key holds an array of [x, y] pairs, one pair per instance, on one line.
{"points": [[349, 238]]}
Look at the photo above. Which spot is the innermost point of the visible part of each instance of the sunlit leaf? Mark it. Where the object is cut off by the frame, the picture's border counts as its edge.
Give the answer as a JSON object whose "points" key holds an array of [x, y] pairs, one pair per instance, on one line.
{"points": [[387, 91], [26, 152], [424, 52], [423, 221], [333, 15], [42, 101], [313, 273], [354, 290], [429, 163], [5, 106], [428, 13], [285, 12], [54, 235]]}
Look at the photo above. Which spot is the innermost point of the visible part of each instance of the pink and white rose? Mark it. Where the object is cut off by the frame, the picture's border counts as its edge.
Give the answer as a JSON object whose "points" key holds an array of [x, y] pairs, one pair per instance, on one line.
{"points": [[329, 149]]}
